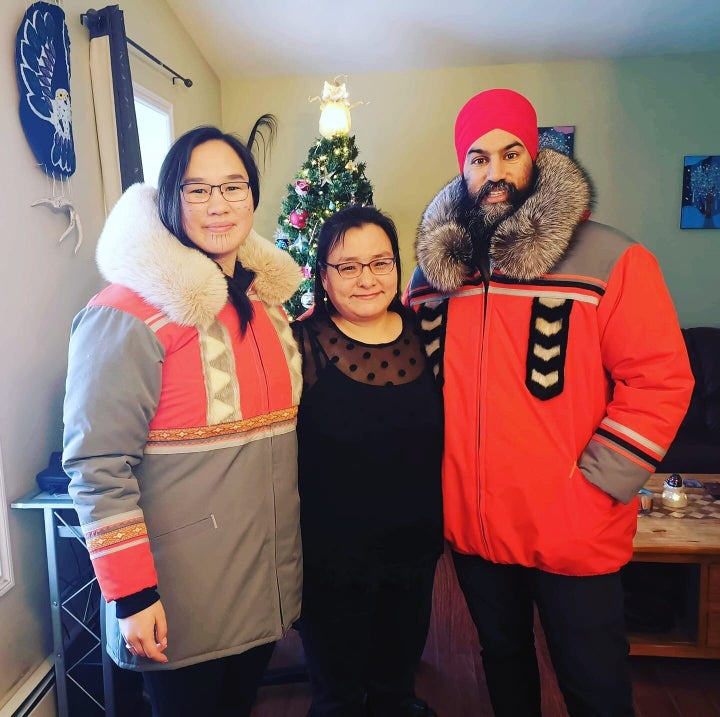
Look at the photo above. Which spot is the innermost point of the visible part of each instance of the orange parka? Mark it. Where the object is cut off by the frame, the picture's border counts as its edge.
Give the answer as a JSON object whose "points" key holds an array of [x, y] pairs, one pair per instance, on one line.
{"points": [[565, 377]]}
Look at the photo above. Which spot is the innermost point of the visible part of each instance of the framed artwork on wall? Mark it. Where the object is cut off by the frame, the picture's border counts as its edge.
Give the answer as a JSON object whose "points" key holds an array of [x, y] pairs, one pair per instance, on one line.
{"points": [[701, 192], [560, 138]]}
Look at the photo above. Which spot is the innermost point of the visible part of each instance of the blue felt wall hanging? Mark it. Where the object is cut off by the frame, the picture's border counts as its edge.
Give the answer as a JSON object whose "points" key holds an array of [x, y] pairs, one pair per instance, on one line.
{"points": [[42, 60]]}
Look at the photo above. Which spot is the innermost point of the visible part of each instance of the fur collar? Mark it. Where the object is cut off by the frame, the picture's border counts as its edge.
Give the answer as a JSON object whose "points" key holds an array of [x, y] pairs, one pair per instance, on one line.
{"points": [[136, 250], [525, 245]]}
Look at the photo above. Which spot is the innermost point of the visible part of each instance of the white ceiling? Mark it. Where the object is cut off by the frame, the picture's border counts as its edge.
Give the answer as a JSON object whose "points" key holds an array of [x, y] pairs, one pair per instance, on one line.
{"points": [[262, 38]]}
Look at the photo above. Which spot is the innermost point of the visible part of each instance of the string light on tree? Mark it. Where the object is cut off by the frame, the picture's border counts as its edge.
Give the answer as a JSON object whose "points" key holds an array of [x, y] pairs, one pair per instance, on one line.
{"points": [[330, 179]]}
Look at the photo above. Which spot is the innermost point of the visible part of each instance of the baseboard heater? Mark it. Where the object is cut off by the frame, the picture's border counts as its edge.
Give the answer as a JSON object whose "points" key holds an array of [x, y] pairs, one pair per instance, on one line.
{"points": [[32, 698]]}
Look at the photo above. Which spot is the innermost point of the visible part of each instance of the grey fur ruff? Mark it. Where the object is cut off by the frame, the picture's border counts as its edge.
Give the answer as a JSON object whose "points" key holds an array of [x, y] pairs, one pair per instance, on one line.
{"points": [[525, 245]]}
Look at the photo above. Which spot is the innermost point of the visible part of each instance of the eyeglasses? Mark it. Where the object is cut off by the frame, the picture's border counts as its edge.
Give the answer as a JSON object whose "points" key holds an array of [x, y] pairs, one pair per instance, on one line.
{"points": [[353, 269], [198, 193]]}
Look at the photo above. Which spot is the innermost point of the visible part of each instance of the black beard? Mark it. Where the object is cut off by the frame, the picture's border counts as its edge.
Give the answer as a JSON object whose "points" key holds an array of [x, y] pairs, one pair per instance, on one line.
{"points": [[471, 215], [481, 220], [492, 214]]}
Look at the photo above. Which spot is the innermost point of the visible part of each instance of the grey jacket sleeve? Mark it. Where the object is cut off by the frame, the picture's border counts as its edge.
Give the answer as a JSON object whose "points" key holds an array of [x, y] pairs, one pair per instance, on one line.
{"points": [[112, 392]]}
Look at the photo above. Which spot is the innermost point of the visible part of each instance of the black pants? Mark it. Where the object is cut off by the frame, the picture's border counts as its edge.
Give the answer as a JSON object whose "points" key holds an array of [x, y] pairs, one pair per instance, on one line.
{"points": [[584, 625], [363, 643], [223, 688]]}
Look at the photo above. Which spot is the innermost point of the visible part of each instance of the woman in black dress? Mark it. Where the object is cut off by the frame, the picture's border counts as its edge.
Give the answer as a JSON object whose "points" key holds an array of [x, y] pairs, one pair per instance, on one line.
{"points": [[370, 444]]}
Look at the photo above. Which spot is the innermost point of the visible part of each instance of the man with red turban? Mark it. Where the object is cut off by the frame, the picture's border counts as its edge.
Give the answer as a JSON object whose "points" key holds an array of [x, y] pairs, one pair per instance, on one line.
{"points": [[565, 378]]}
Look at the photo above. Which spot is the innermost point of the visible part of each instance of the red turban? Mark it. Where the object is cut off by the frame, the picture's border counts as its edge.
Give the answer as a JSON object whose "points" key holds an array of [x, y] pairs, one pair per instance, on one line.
{"points": [[496, 109]]}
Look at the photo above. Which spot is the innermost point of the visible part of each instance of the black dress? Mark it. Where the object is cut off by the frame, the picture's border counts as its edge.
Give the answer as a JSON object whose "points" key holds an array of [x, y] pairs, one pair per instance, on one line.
{"points": [[369, 446]]}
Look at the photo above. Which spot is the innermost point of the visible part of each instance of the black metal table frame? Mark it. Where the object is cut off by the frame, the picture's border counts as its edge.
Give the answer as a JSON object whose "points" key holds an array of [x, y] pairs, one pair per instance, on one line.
{"points": [[56, 526]]}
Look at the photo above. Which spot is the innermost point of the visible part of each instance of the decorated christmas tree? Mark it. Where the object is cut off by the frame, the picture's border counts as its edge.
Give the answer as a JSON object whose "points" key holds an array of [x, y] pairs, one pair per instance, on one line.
{"points": [[330, 179]]}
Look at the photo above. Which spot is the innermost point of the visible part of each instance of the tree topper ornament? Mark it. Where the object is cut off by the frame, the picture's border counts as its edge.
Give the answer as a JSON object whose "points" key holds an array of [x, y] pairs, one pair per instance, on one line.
{"points": [[334, 109]]}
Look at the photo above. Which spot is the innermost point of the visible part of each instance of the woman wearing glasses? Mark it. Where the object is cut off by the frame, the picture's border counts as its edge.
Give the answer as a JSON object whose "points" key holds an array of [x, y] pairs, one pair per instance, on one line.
{"points": [[182, 392], [370, 439]]}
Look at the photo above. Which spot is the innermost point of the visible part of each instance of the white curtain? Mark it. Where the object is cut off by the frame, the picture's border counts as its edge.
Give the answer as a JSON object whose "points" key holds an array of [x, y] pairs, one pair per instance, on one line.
{"points": [[112, 91]]}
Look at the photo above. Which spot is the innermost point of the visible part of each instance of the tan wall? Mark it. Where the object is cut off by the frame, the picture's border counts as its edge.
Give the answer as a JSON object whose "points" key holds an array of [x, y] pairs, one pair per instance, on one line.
{"points": [[43, 285], [193, 106], [635, 120]]}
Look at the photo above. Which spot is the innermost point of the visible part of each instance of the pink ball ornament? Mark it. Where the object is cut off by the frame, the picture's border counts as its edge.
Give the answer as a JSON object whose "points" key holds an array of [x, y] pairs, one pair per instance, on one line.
{"points": [[302, 187], [298, 218]]}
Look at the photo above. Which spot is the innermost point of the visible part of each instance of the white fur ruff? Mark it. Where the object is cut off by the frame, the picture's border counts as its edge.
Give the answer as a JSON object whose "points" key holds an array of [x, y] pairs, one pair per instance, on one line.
{"points": [[136, 250]]}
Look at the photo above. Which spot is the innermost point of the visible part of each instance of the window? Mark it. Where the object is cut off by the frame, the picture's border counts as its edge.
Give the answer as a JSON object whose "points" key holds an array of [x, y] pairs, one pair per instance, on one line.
{"points": [[155, 128], [6, 576]]}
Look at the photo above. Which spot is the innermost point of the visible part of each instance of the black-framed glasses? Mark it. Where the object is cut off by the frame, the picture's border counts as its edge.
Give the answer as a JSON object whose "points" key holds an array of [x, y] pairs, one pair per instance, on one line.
{"points": [[353, 269], [199, 193]]}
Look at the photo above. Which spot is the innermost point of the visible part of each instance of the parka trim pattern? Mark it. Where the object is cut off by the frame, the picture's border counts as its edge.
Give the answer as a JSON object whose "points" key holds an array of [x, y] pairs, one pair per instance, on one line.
{"points": [[221, 435]]}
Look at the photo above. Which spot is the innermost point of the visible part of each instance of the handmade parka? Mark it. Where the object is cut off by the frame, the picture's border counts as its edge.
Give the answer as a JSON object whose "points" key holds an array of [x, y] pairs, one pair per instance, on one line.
{"points": [[180, 438], [565, 377]]}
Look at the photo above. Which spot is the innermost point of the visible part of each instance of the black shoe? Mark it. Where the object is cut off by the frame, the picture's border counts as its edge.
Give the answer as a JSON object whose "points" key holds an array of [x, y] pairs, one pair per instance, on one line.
{"points": [[414, 707], [417, 708]]}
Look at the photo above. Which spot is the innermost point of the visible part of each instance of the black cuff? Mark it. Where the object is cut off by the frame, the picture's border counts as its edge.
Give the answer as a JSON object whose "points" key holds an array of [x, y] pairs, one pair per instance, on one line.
{"points": [[130, 604]]}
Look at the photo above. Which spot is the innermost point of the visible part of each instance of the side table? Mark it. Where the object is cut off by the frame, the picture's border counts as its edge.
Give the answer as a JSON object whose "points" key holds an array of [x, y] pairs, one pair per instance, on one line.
{"points": [[691, 548], [77, 610]]}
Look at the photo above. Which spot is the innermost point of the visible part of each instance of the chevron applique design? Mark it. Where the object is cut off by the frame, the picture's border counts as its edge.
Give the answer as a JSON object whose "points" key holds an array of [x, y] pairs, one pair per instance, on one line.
{"points": [[432, 316], [221, 385], [547, 346]]}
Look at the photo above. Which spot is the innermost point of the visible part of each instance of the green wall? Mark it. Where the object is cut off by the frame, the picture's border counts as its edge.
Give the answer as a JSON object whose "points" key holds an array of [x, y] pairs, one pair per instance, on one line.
{"points": [[635, 120]]}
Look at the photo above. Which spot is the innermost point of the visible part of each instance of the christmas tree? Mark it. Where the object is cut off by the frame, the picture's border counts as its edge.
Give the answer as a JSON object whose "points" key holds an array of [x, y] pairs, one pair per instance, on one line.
{"points": [[329, 180]]}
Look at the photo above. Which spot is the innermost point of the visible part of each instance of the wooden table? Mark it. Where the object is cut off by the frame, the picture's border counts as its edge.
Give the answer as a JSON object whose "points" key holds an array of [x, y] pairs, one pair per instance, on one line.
{"points": [[691, 547]]}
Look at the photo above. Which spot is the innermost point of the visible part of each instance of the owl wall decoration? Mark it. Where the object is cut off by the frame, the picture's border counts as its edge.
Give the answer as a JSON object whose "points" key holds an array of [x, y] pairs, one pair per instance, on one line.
{"points": [[42, 61]]}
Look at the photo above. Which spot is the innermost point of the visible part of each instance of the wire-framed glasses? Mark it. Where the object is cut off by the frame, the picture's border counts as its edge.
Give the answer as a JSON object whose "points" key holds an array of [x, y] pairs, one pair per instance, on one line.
{"points": [[199, 193], [353, 269]]}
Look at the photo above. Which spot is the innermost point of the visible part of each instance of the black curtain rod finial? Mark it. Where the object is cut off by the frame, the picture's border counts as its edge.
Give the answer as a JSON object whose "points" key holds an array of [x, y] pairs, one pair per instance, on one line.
{"points": [[187, 82], [93, 20]]}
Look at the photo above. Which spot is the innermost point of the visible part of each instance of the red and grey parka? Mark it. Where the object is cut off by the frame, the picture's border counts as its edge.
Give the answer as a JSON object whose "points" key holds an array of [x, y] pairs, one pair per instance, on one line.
{"points": [[180, 438]]}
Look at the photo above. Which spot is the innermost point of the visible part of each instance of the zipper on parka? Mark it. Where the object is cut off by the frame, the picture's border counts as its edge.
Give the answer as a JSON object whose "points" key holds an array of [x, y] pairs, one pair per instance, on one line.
{"points": [[486, 272], [262, 374]]}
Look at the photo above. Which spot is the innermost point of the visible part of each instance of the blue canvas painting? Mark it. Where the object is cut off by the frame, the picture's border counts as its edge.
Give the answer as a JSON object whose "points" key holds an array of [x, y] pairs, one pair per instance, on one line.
{"points": [[701, 192], [561, 139]]}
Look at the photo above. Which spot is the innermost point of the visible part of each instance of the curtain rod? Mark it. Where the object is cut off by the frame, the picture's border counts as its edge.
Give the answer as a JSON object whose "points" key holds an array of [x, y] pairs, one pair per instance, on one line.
{"points": [[86, 18], [176, 76]]}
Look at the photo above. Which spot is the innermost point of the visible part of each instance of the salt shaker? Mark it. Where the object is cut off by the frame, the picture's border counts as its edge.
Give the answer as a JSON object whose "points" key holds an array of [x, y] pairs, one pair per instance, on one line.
{"points": [[674, 495], [646, 500]]}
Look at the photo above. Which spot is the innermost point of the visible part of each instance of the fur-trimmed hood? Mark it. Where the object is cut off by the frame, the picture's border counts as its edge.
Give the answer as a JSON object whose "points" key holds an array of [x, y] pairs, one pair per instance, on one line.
{"points": [[525, 245], [136, 250]]}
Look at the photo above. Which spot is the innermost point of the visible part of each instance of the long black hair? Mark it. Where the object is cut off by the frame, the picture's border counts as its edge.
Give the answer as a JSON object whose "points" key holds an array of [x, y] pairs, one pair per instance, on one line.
{"points": [[333, 232], [171, 175]]}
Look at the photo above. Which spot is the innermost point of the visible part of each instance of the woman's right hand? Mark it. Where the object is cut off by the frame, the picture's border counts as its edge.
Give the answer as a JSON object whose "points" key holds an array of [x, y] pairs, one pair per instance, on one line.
{"points": [[145, 632]]}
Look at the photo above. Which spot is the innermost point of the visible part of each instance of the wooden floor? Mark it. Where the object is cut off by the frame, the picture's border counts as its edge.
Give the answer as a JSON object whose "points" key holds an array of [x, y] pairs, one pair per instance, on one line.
{"points": [[451, 676]]}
